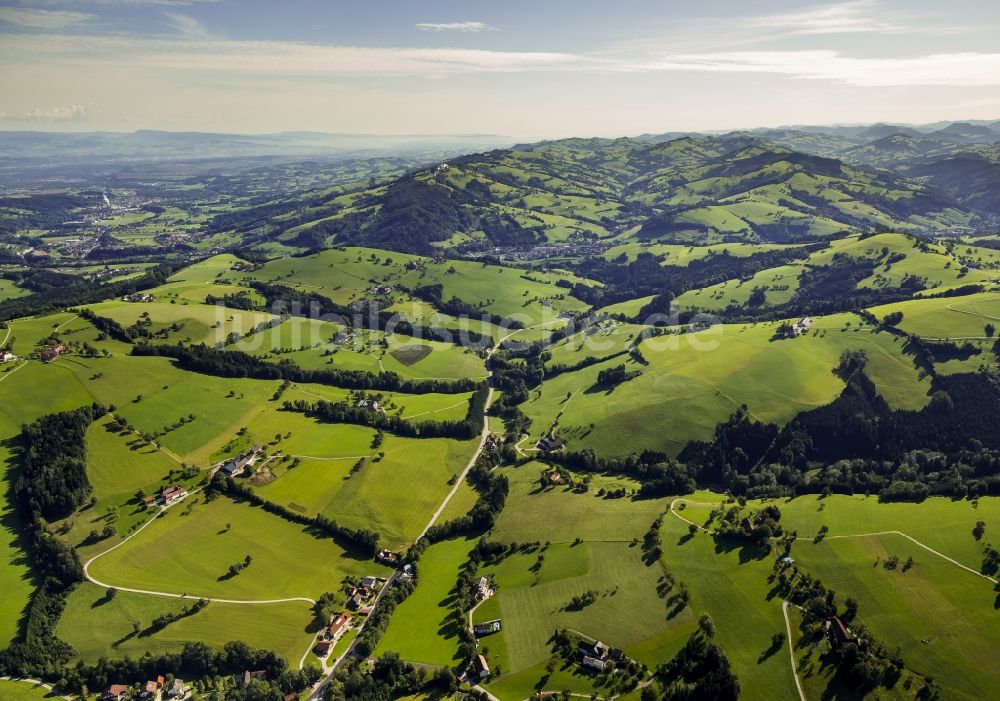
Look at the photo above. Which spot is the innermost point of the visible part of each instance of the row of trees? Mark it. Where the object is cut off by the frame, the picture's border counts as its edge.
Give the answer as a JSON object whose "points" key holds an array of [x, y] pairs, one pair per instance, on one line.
{"points": [[360, 539], [231, 363]]}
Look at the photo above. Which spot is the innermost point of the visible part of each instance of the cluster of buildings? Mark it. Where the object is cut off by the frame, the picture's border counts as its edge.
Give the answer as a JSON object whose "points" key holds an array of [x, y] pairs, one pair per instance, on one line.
{"points": [[154, 690], [166, 497], [801, 326], [329, 636], [597, 656], [50, 353], [361, 597], [234, 467], [549, 444], [6, 356], [138, 297], [244, 267], [371, 405]]}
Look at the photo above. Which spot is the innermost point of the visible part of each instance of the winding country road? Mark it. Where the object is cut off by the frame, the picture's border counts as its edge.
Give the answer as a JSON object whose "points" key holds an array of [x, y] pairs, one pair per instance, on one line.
{"points": [[324, 682]]}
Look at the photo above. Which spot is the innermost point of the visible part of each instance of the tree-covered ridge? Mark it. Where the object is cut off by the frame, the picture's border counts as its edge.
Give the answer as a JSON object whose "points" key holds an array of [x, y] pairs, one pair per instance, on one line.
{"points": [[733, 187]]}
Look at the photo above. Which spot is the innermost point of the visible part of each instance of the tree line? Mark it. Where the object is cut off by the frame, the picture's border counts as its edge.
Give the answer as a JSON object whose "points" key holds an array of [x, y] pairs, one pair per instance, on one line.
{"points": [[53, 484], [358, 539], [232, 363]]}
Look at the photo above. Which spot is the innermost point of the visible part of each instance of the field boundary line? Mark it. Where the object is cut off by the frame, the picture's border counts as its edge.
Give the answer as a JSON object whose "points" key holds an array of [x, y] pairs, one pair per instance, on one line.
{"points": [[435, 411], [170, 595], [846, 535]]}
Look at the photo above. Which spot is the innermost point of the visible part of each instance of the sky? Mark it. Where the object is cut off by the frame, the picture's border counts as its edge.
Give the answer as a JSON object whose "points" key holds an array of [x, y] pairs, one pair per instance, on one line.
{"points": [[540, 69]]}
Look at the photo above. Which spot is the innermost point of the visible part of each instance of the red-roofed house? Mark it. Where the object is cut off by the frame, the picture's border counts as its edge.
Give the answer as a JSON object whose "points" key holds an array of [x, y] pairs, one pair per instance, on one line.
{"points": [[338, 625], [114, 692]]}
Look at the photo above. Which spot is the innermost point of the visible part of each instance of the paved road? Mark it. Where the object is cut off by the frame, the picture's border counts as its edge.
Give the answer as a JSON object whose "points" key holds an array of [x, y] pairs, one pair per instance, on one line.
{"points": [[322, 684]]}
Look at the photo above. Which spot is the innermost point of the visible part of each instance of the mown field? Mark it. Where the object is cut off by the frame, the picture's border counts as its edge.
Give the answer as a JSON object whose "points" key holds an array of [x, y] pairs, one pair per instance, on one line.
{"points": [[421, 629], [348, 274], [23, 691], [97, 626], [190, 548], [935, 612], [692, 382]]}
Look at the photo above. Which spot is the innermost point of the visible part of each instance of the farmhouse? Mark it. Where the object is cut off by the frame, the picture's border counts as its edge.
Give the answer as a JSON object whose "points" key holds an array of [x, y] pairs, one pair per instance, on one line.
{"points": [[114, 692], [369, 582], [407, 573], [480, 667], [597, 650], [383, 290], [594, 663], [371, 405], [550, 444], [7, 356], [338, 625], [234, 467], [179, 689], [138, 297], [172, 494], [248, 675], [51, 353], [323, 647], [801, 326], [838, 633], [555, 478], [386, 556], [242, 267], [486, 628], [484, 588]]}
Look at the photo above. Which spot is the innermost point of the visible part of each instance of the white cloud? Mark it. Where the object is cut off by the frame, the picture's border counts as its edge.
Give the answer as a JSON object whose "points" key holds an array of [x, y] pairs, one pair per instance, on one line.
{"points": [[456, 27], [69, 113], [958, 69], [42, 19], [196, 51], [187, 26], [272, 57], [841, 18]]}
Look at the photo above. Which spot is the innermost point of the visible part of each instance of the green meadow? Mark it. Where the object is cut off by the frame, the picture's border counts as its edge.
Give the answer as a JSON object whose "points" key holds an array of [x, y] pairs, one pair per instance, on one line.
{"points": [[421, 629], [97, 626], [692, 382], [933, 611], [24, 691], [189, 549]]}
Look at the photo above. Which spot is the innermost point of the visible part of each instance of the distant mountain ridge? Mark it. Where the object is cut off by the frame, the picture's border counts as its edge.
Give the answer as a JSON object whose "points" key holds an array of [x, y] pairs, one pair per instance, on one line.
{"points": [[585, 190]]}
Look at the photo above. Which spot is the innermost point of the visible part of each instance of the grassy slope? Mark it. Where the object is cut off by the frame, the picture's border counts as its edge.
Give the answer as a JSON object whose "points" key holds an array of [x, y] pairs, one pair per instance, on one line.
{"points": [[693, 382], [98, 627], [421, 629], [933, 601], [190, 553], [21, 691]]}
